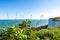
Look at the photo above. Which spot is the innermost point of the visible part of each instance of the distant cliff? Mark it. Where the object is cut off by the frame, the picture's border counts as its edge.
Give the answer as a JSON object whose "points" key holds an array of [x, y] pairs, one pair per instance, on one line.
{"points": [[54, 22]]}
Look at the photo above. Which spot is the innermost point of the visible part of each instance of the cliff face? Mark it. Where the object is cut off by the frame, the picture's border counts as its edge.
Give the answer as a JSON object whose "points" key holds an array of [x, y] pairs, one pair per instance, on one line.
{"points": [[54, 22]]}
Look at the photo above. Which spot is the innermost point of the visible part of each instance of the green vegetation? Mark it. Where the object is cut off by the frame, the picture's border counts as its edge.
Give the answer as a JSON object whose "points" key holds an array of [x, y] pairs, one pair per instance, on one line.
{"points": [[24, 32], [25, 23]]}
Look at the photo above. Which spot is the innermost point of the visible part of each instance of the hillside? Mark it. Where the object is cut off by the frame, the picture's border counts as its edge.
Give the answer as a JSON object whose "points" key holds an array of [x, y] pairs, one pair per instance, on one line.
{"points": [[15, 33]]}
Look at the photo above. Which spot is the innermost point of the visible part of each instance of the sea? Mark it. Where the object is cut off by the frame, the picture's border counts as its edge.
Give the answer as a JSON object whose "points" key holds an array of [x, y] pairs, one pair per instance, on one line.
{"points": [[34, 23]]}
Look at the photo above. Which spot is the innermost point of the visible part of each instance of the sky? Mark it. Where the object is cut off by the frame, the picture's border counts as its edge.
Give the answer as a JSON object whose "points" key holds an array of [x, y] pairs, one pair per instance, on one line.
{"points": [[29, 9]]}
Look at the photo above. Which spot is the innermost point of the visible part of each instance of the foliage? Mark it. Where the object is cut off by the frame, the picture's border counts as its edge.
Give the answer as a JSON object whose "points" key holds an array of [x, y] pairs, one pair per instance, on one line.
{"points": [[27, 33], [15, 33], [25, 23]]}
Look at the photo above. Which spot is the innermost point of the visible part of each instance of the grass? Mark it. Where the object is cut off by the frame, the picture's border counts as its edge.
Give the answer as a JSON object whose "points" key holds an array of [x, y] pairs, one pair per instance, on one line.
{"points": [[15, 33], [24, 32]]}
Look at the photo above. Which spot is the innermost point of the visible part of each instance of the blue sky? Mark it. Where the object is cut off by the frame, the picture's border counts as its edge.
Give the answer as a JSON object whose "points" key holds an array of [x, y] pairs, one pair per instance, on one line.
{"points": [[29, 9]]}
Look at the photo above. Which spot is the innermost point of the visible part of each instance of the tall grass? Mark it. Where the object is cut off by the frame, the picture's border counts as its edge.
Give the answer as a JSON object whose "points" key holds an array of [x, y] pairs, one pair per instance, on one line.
{"points": [[16, 33]]}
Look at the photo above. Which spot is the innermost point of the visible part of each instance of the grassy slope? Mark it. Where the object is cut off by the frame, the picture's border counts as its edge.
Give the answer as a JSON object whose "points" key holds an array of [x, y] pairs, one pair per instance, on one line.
{"points": [[16, 33]]}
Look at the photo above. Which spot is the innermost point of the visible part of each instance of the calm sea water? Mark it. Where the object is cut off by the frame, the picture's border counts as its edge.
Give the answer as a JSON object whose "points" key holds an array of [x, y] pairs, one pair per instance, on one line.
{"points": [[34, 23]]}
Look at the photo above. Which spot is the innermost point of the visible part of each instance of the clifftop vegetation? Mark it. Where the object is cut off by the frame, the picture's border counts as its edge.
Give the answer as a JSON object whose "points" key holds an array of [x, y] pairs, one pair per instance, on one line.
{"points": [[24, 32]]}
